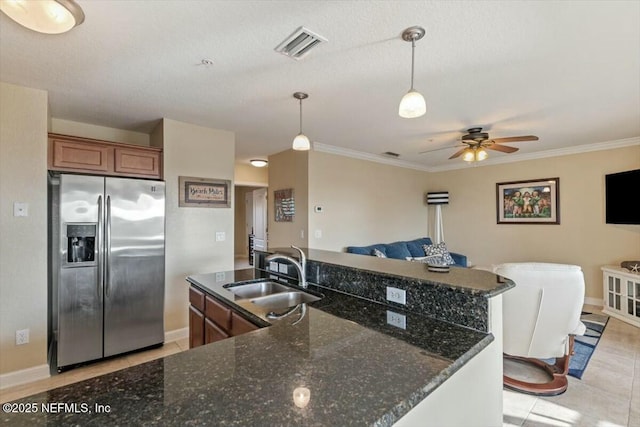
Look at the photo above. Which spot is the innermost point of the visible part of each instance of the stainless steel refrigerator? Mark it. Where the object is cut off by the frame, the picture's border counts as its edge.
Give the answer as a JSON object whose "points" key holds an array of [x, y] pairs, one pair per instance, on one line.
{"points": [[106, 268]]}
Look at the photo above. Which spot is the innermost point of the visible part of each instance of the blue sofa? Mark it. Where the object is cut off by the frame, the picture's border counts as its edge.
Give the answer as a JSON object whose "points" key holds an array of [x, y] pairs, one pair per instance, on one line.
{"points": [[402, 250]]}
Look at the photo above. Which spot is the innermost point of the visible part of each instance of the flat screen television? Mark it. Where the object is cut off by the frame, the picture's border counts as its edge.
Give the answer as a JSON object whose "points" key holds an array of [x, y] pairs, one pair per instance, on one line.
{"points": [[621, 190]]}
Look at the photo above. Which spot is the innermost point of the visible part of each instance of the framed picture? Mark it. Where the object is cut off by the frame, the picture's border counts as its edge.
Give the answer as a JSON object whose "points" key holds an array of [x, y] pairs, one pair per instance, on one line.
{"points": [[203, 192], [285, 207], [528, 202]]}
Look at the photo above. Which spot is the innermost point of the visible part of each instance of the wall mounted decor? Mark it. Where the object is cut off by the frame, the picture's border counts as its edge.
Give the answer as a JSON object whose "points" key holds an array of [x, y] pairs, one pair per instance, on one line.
{"points": [[203, 192], [528, 202], [285, 208]]}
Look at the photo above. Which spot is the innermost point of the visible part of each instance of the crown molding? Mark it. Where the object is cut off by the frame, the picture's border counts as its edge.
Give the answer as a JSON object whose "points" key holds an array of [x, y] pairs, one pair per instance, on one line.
{"points": [[579, 149]]}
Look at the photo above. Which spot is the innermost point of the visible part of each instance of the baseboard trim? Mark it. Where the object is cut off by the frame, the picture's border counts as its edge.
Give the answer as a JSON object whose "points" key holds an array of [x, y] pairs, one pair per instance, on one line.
{"points": [[593, 301], [176, 334], [24, 376]]}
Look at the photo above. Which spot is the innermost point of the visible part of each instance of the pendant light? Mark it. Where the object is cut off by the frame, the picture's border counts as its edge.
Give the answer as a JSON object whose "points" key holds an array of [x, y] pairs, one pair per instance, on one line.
{"points": [[412, 104], [44, 16], [301, 142]]}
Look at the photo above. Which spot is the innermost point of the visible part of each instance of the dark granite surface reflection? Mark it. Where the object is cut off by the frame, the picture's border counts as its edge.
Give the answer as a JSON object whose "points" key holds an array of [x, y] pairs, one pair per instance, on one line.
{"points": [[359, 371]]}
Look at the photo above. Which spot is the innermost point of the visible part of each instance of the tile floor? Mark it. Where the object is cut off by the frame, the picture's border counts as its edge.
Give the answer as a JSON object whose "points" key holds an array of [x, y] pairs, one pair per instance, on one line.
{"points": [[607, 396]]}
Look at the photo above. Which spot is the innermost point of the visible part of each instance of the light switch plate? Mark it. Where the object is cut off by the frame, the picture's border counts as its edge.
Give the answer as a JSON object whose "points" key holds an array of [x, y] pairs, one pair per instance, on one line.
{"points": [[273, 266], [220, 236], [20, 209], [283, 268], [396, 295]]}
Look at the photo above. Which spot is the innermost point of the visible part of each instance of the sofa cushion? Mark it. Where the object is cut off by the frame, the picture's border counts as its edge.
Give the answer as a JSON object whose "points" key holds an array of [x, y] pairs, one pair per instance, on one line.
{"points": [[439, 250], [416, 246], [397, 250]]}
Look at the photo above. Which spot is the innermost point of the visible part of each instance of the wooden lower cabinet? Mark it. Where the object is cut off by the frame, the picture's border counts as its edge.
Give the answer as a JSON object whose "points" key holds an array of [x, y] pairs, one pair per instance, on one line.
{"points": [[211, 320]]}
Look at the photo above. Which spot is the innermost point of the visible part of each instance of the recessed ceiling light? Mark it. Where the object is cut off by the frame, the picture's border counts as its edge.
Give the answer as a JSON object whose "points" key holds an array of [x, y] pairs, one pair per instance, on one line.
{"points": [[259, 163]]}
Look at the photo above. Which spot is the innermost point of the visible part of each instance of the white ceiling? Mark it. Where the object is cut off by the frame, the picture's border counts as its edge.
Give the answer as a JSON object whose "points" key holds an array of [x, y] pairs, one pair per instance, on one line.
{"points": [[568, 72]]}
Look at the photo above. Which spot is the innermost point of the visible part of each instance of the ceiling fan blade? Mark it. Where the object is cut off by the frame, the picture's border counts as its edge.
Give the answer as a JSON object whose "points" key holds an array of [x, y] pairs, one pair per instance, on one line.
{"points": [[458, 153], [439, 149], [515, 139], [503, 148]]}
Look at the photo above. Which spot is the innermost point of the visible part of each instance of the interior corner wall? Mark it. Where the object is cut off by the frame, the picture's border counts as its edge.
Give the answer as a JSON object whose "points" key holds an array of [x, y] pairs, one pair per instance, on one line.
{"points": [[191, 245], [23, 240], [363, 202], [289, 169], [582, 237]]}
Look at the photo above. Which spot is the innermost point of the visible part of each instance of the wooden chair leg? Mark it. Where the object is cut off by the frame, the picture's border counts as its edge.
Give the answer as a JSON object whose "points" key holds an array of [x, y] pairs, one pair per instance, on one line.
{"points": [[558, 373]]}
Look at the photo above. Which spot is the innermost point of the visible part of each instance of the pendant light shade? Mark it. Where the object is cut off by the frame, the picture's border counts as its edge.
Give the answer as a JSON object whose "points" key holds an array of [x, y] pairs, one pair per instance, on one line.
{"points": [[44, 16], [412, 104], [474, 154], [301, 142]]}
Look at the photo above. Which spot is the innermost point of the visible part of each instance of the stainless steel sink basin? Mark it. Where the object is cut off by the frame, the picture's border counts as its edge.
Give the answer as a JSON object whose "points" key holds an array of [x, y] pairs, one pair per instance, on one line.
{"points": [[257, 289], [284, 300]]}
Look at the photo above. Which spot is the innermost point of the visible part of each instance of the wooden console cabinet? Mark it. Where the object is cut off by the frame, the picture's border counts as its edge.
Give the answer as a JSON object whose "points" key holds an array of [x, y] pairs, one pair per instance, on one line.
{"points": [[84, 155], [211, 320], [621, 294]]}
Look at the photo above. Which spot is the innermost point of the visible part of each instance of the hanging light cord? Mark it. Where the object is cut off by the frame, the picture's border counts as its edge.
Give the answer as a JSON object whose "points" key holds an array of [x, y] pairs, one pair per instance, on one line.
{"points": [[300, 116], [413, 52]]}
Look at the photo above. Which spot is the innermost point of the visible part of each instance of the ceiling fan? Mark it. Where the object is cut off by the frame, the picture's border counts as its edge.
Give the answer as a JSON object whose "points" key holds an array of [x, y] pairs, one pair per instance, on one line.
{"points": [[475, 142]]}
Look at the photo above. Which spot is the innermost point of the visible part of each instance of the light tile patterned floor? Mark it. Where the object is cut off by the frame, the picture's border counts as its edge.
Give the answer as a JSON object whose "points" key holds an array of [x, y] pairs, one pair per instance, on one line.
{"points": [[607, 396]]}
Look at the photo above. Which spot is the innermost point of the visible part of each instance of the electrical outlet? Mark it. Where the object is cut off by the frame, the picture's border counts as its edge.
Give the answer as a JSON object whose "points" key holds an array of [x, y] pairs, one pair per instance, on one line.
{"points": [[396, 295], [284, 268], [220, 276], [396, 319], [220, 236], [22, 336], [318, 234]]}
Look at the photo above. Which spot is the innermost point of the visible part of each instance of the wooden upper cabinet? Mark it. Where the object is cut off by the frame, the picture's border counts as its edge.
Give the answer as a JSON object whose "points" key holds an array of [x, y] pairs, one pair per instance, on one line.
{"points": [[75, 154]]}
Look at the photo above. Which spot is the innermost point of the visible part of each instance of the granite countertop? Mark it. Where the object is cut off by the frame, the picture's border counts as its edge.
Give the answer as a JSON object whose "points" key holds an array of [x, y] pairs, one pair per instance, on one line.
{"points": [[472, 281], [358, 369]]}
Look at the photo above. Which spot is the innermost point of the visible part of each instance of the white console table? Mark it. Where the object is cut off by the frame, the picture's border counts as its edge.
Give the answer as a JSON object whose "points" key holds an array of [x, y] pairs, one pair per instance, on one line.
{"points": [[621, 294]]}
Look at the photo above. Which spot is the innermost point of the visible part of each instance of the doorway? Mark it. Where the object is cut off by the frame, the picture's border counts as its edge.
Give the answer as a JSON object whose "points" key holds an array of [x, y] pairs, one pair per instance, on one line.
{"points": [[250, 223]]}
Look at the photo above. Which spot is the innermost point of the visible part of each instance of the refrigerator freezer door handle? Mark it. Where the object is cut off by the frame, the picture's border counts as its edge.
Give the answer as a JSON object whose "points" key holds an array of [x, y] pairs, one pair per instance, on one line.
{"points": [[98, 248], [107, 252]]}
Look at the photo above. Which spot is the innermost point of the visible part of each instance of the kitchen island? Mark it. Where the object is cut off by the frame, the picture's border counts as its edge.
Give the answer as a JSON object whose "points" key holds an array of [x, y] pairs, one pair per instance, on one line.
{"points": [[342, 363]]}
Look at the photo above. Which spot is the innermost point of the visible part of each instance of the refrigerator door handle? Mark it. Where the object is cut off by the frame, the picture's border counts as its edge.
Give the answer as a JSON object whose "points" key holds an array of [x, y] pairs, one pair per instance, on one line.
{"points": [[99, 248], [107, 252]]}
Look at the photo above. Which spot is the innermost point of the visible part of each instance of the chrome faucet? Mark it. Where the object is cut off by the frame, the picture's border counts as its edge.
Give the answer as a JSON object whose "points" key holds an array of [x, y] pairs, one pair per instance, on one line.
{"points": [[300, 266]]}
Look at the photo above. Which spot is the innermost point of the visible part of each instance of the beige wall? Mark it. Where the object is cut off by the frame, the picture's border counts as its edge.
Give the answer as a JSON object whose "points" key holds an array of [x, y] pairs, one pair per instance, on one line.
{"points": [[191, 245], [251, 175], [289, 169], [23, 240], [582, 237], [363, 202], [85, 130]]}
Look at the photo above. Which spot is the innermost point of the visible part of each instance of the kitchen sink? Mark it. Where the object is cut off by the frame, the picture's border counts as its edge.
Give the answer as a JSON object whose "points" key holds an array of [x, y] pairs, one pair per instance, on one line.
{"points": [[257, 289], [284, 300]]}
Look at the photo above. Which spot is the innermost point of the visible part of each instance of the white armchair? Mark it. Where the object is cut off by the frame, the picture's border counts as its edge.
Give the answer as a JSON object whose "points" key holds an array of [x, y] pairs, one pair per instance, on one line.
{"points": [[541, 316]]}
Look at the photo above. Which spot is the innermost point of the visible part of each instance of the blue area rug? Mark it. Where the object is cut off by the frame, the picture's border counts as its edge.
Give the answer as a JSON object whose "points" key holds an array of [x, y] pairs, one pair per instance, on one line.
{"points": [[585, 345]]}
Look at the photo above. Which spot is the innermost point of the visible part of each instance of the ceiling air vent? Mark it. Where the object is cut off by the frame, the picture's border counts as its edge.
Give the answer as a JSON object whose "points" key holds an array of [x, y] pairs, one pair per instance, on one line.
{"points": [[298, 44], [391, 154]]}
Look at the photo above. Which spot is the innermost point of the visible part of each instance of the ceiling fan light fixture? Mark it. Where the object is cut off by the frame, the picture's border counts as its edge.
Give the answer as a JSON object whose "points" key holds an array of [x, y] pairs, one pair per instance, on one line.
{"points": [[259, 163], [44, 16], [412, 104], [481, 154], [468, 155], [301, 142]]}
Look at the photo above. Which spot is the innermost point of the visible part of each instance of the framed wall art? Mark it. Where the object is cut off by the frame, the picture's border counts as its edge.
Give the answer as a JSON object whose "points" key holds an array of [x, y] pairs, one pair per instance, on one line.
{"points": [[204, 192], [528, 202], [285, 207]]}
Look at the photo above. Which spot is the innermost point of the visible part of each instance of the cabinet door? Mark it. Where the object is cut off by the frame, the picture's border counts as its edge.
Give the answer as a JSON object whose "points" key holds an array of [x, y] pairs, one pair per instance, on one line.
{"points": [[212, 333], [218, 313], [140, 162], [79, 156], [240, 325], [196, 327]]}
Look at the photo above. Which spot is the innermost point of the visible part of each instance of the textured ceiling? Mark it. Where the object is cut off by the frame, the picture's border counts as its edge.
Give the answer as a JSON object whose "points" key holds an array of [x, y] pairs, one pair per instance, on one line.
{"points": [[568, 72]]}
